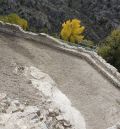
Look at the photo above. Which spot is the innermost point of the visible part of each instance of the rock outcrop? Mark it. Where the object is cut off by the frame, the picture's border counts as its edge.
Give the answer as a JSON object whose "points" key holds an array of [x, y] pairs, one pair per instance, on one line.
{"points": [[55, 111], [14, 115]]}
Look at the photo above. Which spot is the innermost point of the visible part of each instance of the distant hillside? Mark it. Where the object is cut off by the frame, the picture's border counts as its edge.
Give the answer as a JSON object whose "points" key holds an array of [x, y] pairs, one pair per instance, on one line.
{"points": [[99, 16]]}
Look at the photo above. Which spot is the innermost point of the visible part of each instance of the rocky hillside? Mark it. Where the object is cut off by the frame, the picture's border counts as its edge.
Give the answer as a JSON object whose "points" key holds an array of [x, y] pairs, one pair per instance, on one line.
{"points": [[99, 16]]}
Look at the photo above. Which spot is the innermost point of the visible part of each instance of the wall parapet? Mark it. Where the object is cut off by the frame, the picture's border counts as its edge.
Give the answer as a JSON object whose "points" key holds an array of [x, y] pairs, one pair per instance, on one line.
{"points": [[91, 57]]}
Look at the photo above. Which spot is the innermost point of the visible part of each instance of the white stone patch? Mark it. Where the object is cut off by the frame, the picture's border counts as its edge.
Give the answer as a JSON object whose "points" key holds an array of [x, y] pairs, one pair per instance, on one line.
{"points": [[17, 116], [45, 84], [117, 126]]}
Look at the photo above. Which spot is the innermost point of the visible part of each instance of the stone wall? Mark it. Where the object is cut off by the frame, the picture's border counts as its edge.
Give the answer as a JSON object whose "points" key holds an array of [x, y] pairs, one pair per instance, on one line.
{"points": [[92, 58]]}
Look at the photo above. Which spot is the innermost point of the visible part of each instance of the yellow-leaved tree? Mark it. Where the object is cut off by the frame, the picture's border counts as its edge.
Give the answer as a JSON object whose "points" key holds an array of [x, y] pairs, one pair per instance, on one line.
{"points": [[72, 31], [15, 19]]}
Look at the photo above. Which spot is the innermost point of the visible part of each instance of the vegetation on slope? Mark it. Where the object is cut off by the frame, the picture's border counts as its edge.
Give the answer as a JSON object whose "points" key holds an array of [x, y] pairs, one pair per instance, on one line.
{"points": [[15, 19], [98, 16], [110, 49]]}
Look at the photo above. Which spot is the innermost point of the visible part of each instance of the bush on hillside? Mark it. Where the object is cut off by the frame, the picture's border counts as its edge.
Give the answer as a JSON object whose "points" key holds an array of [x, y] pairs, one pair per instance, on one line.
{"points": [[88, 43], [110, 49], [72, 31], [15, 19]]}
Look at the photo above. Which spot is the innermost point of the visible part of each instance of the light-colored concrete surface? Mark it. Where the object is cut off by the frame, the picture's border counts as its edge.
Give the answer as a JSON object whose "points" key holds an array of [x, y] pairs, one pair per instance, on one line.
{"points": [[97, 99]]}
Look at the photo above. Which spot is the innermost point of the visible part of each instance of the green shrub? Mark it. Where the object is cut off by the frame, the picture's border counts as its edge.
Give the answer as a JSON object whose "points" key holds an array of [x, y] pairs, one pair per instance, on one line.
{"points": [[15, 19], [44, 30], [88, 43], [110, 49]]}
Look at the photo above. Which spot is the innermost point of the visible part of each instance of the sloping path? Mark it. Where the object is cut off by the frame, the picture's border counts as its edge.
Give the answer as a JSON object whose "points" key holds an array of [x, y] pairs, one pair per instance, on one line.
{"points": [[97, 99]]}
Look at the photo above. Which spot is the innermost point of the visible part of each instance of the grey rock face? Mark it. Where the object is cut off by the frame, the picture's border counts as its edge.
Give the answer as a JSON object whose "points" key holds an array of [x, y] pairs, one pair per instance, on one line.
{"points": [[99, 16]]}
